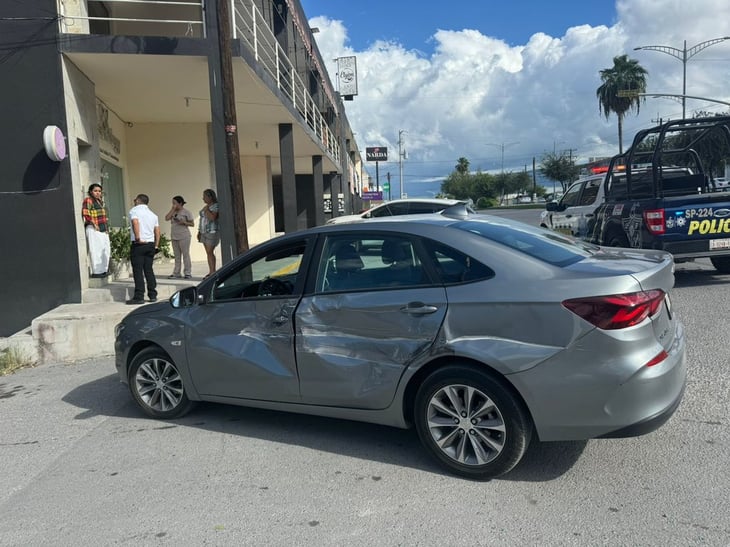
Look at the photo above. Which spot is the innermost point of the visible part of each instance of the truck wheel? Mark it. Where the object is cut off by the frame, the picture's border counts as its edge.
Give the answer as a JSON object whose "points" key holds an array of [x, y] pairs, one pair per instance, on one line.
{"points": [[721, 263], [616, 239]]}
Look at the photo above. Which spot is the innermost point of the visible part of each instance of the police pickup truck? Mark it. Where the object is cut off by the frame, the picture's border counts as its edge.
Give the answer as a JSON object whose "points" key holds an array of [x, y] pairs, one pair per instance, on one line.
{"points": [[657, 195]]}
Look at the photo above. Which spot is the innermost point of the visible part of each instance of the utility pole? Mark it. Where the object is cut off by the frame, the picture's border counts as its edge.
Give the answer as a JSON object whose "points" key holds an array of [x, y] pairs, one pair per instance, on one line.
{"points": [[501, 147], [401, 153], [238, 207]]}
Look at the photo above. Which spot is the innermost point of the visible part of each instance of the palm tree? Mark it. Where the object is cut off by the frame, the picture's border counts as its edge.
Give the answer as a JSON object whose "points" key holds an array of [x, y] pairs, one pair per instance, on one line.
{"points": [[463, 166], [625, 75]]}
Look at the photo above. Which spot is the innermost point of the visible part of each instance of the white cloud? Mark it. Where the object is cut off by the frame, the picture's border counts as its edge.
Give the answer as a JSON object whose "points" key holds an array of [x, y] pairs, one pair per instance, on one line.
{"points": [[475, 89]]}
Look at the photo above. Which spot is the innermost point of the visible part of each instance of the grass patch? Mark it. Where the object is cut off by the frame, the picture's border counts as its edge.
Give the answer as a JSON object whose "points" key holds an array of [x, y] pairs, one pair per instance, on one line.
{"points": [[12, 359]]}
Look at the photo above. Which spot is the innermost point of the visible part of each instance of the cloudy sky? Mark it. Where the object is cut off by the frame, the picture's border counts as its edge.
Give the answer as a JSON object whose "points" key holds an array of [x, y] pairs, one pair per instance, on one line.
{"points": [[518, 77]]}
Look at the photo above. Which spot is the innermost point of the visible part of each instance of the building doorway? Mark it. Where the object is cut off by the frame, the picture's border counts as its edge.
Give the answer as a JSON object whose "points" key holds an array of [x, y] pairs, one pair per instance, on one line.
{"points": [[112, 181]]}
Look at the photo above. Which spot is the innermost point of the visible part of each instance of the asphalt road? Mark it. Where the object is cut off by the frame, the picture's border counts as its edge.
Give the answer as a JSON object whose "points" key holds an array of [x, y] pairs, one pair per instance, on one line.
{"points": [[80, 465]]}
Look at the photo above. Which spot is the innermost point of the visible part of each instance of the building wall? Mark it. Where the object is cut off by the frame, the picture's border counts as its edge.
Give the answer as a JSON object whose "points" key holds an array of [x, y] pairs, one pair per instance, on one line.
{"points": [[165, 160], [83, 149], [38, 246], [259, 198]]}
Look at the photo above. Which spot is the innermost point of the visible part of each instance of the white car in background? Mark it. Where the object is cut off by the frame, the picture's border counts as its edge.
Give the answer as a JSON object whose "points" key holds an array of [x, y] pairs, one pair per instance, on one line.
{"points": [[721, 184], [398, 207]]}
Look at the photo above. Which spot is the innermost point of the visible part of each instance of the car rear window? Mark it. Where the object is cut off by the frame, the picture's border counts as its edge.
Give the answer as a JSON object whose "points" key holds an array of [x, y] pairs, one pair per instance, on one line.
{"points": [[551, 247]]}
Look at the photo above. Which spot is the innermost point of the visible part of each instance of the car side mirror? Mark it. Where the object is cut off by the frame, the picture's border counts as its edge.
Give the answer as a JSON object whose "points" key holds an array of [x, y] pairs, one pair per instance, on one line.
{"points": [[184, 298], [553, 206]]}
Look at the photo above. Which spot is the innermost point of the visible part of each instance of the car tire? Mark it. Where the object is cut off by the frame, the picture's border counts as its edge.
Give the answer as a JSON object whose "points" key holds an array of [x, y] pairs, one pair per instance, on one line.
{"points": [[157, 385], [616, 239], [721, 263], [471, 422]]}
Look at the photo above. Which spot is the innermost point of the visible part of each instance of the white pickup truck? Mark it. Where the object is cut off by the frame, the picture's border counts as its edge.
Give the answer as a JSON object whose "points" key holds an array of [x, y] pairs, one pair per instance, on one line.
{"points": [[574, 213], [659, 194]]}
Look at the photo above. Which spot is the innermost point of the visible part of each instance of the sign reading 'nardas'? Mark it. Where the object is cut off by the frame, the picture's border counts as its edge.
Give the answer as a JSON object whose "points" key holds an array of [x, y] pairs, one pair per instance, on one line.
{"points": [[376, 153]]}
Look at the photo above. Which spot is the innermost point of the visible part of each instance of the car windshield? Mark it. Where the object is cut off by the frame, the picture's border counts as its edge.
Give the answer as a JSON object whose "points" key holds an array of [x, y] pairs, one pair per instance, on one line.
{"points": [[551, 247]]}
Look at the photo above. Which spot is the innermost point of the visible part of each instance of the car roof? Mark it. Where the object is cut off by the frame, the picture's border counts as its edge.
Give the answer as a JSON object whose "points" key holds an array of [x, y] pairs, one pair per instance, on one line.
{"points": [[408, 223], [436, 201]]}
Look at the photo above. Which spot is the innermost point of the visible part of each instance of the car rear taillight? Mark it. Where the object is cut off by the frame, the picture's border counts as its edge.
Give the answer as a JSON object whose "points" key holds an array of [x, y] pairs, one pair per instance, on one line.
{"points": [[654, 219], [617, 311], [658, 358]]}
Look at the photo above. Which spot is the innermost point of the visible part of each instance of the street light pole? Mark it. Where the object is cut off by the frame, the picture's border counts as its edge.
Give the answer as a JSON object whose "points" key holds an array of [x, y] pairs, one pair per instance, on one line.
{"points": [[501, 147], [400, 159], [684, 55], [632, 93]]}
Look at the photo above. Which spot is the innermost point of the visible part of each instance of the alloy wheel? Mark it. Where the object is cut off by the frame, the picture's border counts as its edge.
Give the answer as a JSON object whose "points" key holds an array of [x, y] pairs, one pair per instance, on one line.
{"points": [[159, 385], [466, 424]]}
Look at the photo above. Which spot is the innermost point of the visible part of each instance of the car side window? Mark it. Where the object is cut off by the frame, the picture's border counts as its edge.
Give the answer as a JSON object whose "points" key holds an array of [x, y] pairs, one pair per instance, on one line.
{"points": [[399, 208], [418, 208], [454, 267], [590, 191], [571, 196], [383, 211], [370, 262], [274, 274]]}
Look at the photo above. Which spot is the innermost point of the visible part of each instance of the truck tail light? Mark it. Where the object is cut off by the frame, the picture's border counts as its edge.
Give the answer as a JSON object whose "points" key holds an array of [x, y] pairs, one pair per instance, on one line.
{"points": [[654, 219], [617, 311]]}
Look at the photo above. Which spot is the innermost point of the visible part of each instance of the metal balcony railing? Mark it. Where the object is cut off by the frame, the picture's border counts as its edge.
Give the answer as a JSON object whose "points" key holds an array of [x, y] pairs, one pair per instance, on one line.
{"points": [[173, 18], [251, 28], [178, 18]]}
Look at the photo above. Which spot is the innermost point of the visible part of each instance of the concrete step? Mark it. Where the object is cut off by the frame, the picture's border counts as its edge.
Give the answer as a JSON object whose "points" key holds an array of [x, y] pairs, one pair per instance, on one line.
{"points": [[77, 331], [123, 290], [72, 332]]}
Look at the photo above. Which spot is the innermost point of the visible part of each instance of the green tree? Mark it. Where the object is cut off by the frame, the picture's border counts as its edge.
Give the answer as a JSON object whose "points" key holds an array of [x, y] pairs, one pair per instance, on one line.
{"points": [[560, 168], [625, 75], [463, 166]]}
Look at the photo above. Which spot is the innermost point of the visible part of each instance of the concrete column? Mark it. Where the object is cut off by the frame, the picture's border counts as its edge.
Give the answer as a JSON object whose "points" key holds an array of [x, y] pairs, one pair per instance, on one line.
{"points": [[288, 176], [318, 190]]}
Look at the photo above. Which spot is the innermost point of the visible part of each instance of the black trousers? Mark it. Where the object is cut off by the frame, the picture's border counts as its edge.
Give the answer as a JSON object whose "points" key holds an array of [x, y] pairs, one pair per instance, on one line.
{"points": [[141, 258]]}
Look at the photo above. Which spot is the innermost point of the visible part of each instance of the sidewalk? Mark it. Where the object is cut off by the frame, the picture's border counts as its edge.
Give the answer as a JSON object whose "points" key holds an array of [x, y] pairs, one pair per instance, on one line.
{"points": [[81, 331]]}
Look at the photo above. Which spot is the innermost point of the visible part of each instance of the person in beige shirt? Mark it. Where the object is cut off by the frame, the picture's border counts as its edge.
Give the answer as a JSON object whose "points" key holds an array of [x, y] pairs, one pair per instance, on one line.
{"points": [[180, 222]]}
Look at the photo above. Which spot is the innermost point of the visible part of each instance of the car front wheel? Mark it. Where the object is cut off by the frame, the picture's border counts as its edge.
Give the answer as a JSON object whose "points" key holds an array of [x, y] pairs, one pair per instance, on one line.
{"points": [[471, 422], [157, 385]]}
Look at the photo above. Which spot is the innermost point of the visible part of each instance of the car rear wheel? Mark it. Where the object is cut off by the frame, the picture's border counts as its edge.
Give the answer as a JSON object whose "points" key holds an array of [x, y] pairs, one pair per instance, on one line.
{"points": [[616, 239], [157, 385], [721, 263], [471, 422]]}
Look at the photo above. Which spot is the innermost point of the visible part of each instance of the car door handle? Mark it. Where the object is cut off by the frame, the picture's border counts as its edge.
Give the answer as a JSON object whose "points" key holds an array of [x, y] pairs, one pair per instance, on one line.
{"points": [[588, 215], [568, 216], [278, 321], [418, 308]]}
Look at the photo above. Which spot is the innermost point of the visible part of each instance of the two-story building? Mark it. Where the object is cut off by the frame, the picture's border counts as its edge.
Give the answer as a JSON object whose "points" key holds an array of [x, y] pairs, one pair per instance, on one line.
{"points": [[131, 93]]}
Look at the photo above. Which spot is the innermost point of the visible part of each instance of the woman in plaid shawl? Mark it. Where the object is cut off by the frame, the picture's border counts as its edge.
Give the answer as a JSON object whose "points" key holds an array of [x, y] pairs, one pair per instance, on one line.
{"points": [[97, 231]]}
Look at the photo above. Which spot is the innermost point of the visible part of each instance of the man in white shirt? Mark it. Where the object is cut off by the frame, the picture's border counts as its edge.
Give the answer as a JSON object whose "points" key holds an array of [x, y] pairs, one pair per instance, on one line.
{"points": [[145, 231]]}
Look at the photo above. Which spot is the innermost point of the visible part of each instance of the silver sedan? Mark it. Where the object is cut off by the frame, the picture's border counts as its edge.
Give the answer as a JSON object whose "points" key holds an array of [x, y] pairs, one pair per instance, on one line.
{"points": [[481, 332]]}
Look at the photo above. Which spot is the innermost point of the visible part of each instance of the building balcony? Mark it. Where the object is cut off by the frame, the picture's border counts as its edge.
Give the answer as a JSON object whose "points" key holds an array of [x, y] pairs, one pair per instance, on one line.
{"points": [[253, 37]]}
